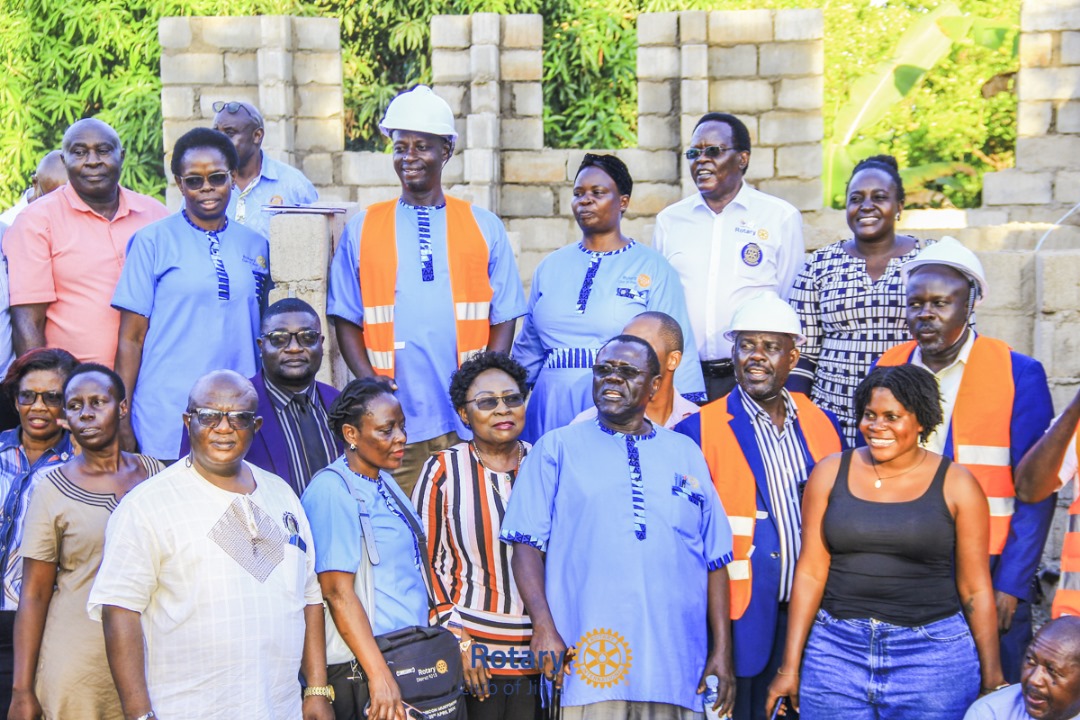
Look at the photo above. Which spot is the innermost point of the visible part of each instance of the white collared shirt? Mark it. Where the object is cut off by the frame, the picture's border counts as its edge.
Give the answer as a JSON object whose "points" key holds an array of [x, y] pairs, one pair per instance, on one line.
{"points": [[754, 244], [949, 379]]}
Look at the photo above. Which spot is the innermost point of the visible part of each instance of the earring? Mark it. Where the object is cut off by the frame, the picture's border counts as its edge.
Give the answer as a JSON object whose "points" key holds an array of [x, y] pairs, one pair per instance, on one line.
{"points": [[352, 446], [897, 217], [187, 461]]}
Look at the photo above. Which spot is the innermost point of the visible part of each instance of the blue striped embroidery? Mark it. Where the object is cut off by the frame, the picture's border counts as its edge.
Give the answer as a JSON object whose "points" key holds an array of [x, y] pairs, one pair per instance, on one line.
{"points": [[509, 537], [590, 273], [720, 562], [215, 254], [423, 223], [637, 484], [695, 397], [558, 358]]}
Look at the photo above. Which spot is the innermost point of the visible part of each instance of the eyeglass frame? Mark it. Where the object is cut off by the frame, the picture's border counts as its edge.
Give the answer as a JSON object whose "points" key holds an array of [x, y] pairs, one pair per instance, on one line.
{"points": [[233, 417], [59, 396], [499, 399], [291, 336], [710, 151], [625, 372], [232, 107], [205, 180]]}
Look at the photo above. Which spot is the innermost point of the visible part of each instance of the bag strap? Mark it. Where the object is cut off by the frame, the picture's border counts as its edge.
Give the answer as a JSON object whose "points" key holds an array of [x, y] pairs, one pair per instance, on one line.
{"points": [[421, 538], [367, 533]]}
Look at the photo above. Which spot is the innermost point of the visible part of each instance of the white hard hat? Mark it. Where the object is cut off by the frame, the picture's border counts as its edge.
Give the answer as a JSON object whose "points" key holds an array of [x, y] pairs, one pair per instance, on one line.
{"points": [[949, 251], [766, 312], [419, 110]]}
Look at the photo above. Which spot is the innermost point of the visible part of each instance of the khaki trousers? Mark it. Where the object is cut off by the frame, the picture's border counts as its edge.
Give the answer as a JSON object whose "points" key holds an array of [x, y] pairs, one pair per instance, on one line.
{"points": [[416, 454]]}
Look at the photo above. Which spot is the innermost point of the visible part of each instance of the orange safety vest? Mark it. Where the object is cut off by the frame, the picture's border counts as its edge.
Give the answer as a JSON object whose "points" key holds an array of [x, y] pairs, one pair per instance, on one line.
{"points": [[981, 438], [737, 486], [467, 256], [1067, 597]]}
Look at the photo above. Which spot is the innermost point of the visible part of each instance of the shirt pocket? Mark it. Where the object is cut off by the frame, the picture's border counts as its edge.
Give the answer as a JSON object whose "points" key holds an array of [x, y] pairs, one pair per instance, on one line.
{"points": [[756, 258]]}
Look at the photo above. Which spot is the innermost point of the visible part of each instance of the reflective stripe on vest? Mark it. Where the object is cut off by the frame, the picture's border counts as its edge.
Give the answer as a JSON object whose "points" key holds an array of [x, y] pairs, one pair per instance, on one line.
{"points": [[1067, 597], [737, 486], [470, 286], [981, 421]]}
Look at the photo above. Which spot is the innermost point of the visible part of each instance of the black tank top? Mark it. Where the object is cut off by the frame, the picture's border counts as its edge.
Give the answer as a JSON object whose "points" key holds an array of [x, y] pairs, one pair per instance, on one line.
{"points": [[890, 561]]}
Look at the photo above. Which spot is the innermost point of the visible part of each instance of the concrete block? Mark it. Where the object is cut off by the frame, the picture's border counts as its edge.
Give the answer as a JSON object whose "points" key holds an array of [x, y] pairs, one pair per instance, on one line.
{"points": [[319, 168], [783, 128], [522, 133], [327, 135], [483, 129], [524, 32], [300, 248], [574, 158], [1059, 343], [1036, 50], [1011, 277], [693, 27], [738, 61], [803, 194], [762, 164], [481, 166], [455, 97], [651, 198], [241, 68], [173, 199], [317, 33], [799, 161], [639, 228], [193, 69], [481, 195], [801, 58], [231, 32], [486, 29], [528, 98], [1044, 16], [565, 204], [275, 31], [484, 97], [172, 130], [543, 234], [658, 63], [275, 65], [548, 166], [1058, 83], [741, 96], [1014, 187], [739, 27], [522, 65], [694, 61], [694, 96], [320, 101], [484, 63], [651, 165], [450, 66], [454, 170], [799, 25], [801, 93], [655, 98], [324, 68], [1067, 186], [1033, 118], [451, 31], [211, 95], [177, 103], [174, 33], [1047, 152], [368, 168], [366, 196], [334, 193], [526, 201], [276, 101], [1058, 281], [462, 132], [657, 28], [657, 132], [687, 123], [1070, 48], [1068, 117]]}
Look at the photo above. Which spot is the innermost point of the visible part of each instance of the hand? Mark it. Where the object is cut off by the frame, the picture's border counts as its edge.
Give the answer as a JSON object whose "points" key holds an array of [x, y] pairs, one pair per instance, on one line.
{"points": [[24, 706], [1006, 608], [551, 653], [477, 676], [385, 697], [784, 685], [317, 707], [719, 664]]}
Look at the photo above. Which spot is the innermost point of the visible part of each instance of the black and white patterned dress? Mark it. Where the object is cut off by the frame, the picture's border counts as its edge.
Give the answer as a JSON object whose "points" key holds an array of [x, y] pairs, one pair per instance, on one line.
{"points": [[849, 321]]}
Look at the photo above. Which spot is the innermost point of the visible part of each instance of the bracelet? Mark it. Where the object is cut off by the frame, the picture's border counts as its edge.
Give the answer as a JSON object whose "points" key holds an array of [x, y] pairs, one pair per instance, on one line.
{"points": [[148, 716], [781, 672]]}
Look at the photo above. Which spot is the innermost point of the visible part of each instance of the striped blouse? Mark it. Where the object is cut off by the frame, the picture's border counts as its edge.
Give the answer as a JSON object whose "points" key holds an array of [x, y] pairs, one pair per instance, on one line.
{"points": [[461, 505]]}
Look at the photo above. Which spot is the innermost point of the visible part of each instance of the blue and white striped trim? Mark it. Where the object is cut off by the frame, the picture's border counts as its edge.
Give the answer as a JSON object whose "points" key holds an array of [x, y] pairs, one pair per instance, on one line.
{"points": [[515, 537], [423, 224], [722, 561], [637, 484], [695, 397], [590, 273], [561, 358], [215, 255]]}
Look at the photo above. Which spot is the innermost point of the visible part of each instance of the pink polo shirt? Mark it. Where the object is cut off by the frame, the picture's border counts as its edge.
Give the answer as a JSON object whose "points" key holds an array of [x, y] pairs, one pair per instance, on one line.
{"points": [[61, 252]]}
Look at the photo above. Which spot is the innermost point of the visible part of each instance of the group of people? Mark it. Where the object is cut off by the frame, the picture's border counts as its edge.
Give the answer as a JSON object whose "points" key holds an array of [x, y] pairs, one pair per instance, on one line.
{"points": [[709, 472]]}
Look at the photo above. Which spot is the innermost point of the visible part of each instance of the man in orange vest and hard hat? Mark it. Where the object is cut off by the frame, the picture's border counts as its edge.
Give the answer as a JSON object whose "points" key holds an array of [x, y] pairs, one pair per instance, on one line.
{"points": [[420, 284], [761, 442], [996, 405]]}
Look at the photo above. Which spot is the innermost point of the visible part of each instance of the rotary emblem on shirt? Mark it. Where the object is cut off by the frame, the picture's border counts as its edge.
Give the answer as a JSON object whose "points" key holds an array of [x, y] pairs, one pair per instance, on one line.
{"points": [[644, 280], [261, 262], [763, 234], [751, 254], [603, 658], [276, 200]]}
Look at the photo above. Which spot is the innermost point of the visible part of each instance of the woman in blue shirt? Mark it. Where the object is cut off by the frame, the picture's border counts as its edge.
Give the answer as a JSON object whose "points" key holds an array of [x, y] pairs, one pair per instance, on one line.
{"points": [[190, 296], [583, 294]]}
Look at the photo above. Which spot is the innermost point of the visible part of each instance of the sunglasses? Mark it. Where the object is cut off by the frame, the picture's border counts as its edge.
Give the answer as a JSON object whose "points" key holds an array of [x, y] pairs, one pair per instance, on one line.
{"points": [[232, 107], [490, 402], [238, 419], [282, 339], [51, 398], [196, 182], [626, 372], [713, 151]]}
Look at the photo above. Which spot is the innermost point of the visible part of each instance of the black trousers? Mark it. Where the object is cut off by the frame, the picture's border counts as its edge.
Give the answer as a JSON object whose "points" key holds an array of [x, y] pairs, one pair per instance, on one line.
{"points": [[7, 658], [512, 698], [350, 696]]}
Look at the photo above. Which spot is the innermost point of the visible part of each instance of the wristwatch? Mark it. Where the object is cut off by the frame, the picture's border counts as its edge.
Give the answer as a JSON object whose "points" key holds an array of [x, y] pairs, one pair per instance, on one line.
{"points": [[326, 691], [465, 645], [148, 716]]}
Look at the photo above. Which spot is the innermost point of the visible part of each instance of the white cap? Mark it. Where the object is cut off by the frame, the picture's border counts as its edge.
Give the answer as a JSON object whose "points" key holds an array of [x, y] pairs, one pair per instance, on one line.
{"points": [[950, 252], [419, 110], [766, 312]]}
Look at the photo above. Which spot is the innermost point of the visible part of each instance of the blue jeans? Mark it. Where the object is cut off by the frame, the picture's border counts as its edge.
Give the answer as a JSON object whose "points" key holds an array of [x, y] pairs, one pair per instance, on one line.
{"points": [[865, 668]]}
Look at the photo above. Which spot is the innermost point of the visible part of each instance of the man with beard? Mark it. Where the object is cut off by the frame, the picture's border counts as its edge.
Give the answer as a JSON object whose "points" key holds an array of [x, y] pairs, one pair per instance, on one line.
{"points": [[761, 442], [996, 405]]}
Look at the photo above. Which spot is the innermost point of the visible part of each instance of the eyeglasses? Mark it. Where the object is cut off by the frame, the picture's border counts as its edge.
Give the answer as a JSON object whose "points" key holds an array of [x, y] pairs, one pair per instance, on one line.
{"points": [[196, 182], [626, 372], [232, 107], [490, 402], [713, 151], [51, 398], [282, 338], [238, 419]]}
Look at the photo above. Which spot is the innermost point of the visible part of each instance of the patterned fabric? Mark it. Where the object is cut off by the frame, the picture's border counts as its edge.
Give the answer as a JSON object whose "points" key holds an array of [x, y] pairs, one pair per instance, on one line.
{"points": [[637, 487], [590, 273], [570, 357], [215, 255], [423, 223], [250, 537], [848, 321], [292, 411]]}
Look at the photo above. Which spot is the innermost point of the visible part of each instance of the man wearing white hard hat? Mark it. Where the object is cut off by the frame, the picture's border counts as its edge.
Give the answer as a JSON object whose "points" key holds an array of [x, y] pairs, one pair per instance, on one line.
{"points": [[761, 442], [420, 284], [996, 404]]}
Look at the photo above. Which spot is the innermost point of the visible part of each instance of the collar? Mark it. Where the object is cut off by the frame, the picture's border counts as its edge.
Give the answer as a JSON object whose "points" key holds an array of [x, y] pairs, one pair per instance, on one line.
{"points": [[741, 199], [755, 410], [961, 359], [280, 397], [428, 208], [269, 167], [9, 439], [204, 231], [78, 204], [615, 433]]}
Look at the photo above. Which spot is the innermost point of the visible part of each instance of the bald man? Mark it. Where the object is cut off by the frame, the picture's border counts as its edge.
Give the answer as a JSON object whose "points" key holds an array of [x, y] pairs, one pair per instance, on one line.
{"points": [[259, 180], [665, 336], [66, 250], [50, 174]]}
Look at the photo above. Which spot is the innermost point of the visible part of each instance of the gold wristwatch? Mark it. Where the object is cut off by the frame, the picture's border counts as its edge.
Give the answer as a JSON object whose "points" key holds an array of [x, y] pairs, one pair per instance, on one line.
{"points": [[325, 691], [465, 645]]}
